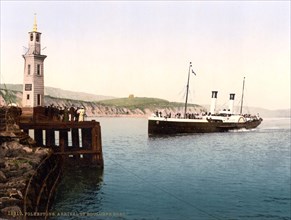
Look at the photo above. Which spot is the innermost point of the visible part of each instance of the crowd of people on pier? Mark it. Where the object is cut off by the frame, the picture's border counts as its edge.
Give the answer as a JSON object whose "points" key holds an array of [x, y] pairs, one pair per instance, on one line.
{"points": [[65, 113]]}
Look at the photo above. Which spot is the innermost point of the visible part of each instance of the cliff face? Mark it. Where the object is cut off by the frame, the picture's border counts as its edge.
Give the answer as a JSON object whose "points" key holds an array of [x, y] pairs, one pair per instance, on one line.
{"points": [[94, 109]]}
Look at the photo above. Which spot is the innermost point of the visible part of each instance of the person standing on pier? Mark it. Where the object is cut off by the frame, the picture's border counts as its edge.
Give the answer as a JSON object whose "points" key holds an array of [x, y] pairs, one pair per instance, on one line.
{"points": [[66, 114], [77, 113], [72, 113], [81, 113]]}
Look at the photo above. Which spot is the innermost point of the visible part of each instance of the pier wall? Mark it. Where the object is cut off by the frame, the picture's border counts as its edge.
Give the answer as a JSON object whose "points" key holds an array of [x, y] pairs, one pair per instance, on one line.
{"points": [[31, 168], [76, 142]]}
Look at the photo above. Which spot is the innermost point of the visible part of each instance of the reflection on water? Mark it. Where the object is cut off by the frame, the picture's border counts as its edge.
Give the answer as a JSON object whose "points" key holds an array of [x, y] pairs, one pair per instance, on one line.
{"points": [[80, 186]]}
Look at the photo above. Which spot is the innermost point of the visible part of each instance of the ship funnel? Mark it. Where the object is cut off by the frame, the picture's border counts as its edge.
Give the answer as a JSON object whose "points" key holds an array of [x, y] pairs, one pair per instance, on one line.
{"points": [[213, 102], [231, 102]]}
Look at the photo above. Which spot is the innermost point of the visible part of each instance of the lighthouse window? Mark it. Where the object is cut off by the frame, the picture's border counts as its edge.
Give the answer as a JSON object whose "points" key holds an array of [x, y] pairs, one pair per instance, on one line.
{"points": [[28, 69], [28, 87], [31, 37], [38, 69], [37, 37], [27, 96], [38, 99]]}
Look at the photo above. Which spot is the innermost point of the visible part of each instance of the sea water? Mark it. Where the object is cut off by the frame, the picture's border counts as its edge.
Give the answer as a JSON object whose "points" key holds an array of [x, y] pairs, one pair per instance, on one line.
{"points": [[242, 174]]}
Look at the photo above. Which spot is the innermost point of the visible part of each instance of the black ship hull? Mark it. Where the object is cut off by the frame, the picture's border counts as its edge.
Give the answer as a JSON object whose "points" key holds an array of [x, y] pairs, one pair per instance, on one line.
{"points": [[156, 127]]}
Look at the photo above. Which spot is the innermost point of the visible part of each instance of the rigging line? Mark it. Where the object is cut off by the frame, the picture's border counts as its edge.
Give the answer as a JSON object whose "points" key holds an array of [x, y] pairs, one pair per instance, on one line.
{"points": [[165, 191]]}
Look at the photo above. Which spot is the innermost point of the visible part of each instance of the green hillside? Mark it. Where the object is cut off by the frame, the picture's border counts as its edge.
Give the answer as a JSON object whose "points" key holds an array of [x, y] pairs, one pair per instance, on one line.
{"points": [[142, 103], [59, 93]]}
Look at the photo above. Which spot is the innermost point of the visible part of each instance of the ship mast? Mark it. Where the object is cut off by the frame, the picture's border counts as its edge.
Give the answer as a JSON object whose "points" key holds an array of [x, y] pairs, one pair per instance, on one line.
{"points": [[242, 96], [187, 90]]}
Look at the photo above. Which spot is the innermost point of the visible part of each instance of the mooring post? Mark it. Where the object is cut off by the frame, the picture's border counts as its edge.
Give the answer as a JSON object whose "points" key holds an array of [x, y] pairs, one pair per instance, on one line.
{"points": [[38, 137], [94, 143], [75, 137], [26, 131], [63, 140], [86, 138], [99, 147], [97, 157], [87, 143], [50, 137], [99, 142]]}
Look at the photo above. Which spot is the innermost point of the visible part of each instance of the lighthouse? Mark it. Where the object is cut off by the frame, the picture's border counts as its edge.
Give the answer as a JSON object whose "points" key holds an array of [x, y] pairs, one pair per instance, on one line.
{"points": [[33, 79]]}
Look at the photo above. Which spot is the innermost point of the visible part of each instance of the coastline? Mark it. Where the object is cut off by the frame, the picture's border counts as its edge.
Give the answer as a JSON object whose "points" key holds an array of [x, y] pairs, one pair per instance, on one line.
{"points": [[95, 109]]}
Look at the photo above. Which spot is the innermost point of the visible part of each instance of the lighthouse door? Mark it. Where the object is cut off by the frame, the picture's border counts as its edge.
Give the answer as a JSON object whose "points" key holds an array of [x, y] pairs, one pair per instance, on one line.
{"points": [[28, 100], [38, 99]]}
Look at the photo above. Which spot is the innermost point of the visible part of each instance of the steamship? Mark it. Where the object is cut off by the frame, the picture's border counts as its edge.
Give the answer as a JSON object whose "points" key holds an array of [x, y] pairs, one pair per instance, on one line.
{"points": [[222, 121]]}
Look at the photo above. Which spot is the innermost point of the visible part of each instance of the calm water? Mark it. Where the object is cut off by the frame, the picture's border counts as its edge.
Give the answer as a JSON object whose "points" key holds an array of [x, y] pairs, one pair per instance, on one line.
{"points": [[234, 175]]}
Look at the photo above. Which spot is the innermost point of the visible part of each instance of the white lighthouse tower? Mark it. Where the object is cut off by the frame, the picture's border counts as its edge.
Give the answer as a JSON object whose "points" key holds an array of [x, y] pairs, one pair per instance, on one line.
{"points": [[33, 79]]}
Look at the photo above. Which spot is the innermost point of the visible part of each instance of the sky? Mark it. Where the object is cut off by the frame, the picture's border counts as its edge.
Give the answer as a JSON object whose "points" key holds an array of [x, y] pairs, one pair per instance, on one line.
{"points": [[118, 48]]}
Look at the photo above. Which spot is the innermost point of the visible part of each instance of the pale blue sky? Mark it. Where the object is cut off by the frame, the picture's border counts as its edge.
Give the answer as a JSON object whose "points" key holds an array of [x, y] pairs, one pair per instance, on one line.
{"points": [[144, 48]]}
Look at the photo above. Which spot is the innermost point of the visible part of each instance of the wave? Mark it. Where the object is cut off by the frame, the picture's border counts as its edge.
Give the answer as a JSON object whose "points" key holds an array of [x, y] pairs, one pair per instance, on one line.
{"points": [[243, 130]]}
